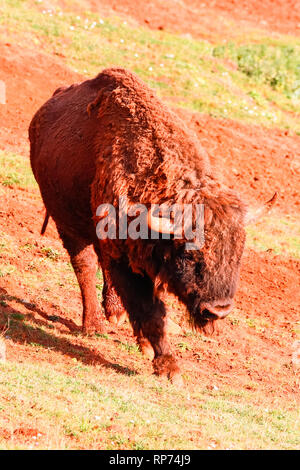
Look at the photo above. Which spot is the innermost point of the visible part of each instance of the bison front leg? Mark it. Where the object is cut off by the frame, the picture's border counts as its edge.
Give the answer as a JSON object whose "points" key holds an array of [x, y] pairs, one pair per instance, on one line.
{"points": [[147, 314], [153, 330], [85, 263], [112, 304], [116, 313]]}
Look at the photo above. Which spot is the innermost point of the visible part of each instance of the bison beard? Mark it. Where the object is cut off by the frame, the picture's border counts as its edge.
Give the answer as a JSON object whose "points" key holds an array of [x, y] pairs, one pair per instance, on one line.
{"points": [[109, 137]]}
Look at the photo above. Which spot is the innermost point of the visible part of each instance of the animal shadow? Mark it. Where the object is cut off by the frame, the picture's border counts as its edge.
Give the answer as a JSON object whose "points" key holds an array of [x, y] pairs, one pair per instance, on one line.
{"points": [[21, 332]]}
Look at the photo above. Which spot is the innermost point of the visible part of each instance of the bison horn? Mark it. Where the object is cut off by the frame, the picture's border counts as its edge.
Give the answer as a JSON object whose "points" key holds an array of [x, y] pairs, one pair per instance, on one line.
{"points": [[161, 224], [253, 215]]}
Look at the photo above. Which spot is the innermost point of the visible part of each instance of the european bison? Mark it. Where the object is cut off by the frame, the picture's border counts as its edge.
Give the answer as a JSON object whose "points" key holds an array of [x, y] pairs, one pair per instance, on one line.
{"points": [[109, 137]]}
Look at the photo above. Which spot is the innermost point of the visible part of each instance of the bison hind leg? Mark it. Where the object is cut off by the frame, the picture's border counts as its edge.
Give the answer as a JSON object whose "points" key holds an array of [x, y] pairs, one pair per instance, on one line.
{"points": [[85, 264], [145, 347]]}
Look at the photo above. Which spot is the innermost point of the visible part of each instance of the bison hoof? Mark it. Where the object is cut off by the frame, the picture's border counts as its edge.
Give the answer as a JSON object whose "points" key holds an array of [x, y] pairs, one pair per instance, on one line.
{"points": [[177, 380], [146, 348], [117, 320], [167, 366], [92, 328]]}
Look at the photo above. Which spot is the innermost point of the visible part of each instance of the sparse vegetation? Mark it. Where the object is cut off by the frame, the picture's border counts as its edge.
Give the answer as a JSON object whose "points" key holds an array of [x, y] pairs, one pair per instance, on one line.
{"points": [[188, 72], [101, 412], [278, 234], [274, 64], [60, 389], [15, 171], [51, 253]]}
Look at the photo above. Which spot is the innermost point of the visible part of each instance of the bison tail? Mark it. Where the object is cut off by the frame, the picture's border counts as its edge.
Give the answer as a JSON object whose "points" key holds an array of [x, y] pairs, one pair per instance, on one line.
{"points": [[45, 223]]}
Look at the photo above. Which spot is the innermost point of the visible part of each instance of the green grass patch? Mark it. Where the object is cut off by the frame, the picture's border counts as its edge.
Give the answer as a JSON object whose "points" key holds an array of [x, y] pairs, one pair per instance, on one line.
{"points": [[15, 171], [263, 87], [6, 269], [51, 253], [105, 410], [277, 65], [279, 234], [273, 69], [184, 346], [130, 348]]}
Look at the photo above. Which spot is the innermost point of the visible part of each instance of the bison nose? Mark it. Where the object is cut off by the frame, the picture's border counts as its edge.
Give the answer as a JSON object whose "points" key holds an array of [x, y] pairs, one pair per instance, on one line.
{"points": [[219, 309]]}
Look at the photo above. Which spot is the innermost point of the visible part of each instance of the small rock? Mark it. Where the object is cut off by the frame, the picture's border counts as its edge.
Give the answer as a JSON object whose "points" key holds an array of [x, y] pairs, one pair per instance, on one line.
{"points": [[2, 350]]}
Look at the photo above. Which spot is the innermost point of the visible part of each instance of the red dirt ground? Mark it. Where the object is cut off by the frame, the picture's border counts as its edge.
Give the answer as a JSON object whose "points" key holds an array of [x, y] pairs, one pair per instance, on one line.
{"points": [[254, 160], [32, 78], [208, 19]]}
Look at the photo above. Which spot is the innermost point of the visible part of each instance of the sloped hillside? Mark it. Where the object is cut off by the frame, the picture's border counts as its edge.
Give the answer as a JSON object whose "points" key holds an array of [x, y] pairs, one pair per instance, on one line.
{"points": [[231, 70]]}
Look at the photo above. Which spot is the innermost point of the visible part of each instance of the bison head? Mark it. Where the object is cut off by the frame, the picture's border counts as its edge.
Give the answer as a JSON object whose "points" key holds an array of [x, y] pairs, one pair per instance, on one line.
{"points": [[205, 280]]}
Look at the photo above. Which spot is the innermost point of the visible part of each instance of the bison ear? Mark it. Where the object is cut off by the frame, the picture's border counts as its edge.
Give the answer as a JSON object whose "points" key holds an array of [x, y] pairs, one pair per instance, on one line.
{"points": [[252, 216]]}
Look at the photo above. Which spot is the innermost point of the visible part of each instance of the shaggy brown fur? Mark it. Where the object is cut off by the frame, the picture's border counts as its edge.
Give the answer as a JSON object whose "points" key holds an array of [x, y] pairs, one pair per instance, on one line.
{"points": [[110, 136]]}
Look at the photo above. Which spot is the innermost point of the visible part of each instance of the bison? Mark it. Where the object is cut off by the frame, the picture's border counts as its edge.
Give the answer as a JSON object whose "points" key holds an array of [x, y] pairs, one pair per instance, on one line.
{"points": [[111, 137]]}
